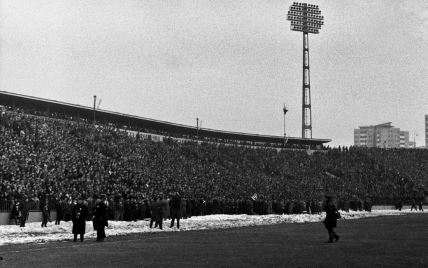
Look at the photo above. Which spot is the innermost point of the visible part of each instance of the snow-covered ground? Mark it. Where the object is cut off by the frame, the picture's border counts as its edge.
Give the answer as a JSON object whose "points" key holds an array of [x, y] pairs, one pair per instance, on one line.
{"points": [[33, 233]]}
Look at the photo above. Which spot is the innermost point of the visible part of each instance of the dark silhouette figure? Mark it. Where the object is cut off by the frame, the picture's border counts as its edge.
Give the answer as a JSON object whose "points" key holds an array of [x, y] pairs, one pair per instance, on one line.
{"points": [[156, 214], [78, 216], [413, 205], [45, 215], [100, 219], [330, 220], [175, 205]]}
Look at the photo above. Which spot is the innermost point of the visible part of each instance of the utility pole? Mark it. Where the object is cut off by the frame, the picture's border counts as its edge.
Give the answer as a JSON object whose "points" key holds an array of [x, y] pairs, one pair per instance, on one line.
{"points": [[95, 101], [414, 139], [197, 127], [284, 109]]}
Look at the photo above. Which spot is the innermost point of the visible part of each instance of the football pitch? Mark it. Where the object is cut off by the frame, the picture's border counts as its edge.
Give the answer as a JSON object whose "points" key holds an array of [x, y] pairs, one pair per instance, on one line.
{"points": [[388, 241]]}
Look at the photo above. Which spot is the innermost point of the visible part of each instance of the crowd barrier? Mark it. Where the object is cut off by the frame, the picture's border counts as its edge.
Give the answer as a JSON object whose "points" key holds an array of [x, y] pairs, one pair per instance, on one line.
{"points": [[33, 216], [7, 206]]}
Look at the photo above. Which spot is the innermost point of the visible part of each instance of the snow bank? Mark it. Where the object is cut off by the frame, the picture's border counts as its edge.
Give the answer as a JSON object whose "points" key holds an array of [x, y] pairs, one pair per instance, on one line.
{"points": [[33, 233]]}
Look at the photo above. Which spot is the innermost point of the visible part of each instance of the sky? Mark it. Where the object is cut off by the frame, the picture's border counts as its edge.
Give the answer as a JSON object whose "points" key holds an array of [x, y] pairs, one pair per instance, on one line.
{"points": [[232, 64]]}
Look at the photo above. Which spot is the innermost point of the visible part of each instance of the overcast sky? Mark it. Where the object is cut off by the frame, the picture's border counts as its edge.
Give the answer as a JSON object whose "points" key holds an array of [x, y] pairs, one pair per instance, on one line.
{"points": [[231, 63]]}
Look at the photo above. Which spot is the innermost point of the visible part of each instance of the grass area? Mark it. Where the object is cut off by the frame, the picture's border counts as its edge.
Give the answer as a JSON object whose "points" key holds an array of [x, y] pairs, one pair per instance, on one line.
{"points": [[392, 241]]}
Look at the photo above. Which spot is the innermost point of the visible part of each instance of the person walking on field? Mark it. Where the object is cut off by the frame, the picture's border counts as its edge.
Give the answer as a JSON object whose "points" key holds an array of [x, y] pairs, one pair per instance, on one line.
{"points": [[79, 214], [330, 220], [175, 205]]}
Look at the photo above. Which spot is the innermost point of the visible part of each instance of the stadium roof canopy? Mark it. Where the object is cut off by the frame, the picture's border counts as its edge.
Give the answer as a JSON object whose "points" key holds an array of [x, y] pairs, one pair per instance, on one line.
{"points": [[136, 122]]}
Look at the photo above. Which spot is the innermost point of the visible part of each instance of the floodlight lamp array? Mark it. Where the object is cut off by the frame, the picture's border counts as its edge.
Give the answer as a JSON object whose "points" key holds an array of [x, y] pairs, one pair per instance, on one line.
{"points": [[304, 29], [301, 14], [304, 4], [305, 17], [305, 9], [303, 24]]}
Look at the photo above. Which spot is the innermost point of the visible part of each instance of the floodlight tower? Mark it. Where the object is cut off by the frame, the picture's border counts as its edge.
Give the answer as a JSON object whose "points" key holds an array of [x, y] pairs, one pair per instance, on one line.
{"points": [[305, 18]]}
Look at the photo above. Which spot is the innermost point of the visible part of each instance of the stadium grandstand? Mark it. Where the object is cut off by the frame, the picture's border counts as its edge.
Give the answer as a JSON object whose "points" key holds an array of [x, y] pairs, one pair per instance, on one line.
{"points": [[53, 153], [155, 129]]}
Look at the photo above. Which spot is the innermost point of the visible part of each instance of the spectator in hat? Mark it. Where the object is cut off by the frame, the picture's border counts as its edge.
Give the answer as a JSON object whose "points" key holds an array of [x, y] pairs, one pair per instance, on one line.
{"points": [[16, 213], [59, 207], [78, 217], [156, 213], [100, 218], [25, 210], [175, 205], [45, 214], [413, 205], [68, 204], [420, 205]]}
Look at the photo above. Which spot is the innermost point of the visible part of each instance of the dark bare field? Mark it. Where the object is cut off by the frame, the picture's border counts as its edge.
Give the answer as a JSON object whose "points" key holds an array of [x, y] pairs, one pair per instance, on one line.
{"points": [[390, 241]]}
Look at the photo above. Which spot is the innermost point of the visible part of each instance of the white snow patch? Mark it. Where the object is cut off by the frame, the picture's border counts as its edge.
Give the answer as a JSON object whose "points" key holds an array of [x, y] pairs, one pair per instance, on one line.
{"points": [[34, 233]]}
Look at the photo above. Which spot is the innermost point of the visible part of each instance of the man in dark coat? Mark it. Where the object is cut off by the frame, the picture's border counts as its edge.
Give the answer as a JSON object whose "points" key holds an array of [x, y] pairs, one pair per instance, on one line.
{"points": [[100, 218], [420, 204], [134, 209], [141, 209], [119, 209], [399, 205], [45, 214], [59, 206], [156, 213], [16, 212], [67, 205], [368, 204], [330, 220], [175, 206], [413, 205], [25, 210], [79, 213]]}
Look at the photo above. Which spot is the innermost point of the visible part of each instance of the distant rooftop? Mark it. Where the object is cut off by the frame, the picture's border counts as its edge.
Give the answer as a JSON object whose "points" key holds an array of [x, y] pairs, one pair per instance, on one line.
{"points": [[383, 125]]}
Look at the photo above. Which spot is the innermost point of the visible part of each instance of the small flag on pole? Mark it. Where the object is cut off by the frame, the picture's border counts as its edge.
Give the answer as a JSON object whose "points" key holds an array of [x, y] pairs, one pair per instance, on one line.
{"points": [[254, 196]]}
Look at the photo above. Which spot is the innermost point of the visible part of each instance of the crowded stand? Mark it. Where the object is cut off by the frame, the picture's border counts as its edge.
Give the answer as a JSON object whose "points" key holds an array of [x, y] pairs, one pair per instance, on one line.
{"points": [[55, 160]]}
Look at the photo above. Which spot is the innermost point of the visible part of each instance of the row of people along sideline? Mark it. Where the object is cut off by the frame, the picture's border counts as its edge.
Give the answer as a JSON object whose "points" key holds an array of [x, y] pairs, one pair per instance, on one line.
{"points": [[159, 211], [100, 219], [80, 213]]}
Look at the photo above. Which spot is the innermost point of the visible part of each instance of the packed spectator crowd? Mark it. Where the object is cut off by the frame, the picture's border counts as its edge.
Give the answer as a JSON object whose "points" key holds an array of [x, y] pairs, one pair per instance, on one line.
{"points": [[55, 160]]}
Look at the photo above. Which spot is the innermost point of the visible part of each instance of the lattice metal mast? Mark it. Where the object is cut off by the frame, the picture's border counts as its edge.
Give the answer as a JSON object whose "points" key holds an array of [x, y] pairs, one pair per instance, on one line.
{"points": [[305, 18]]}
